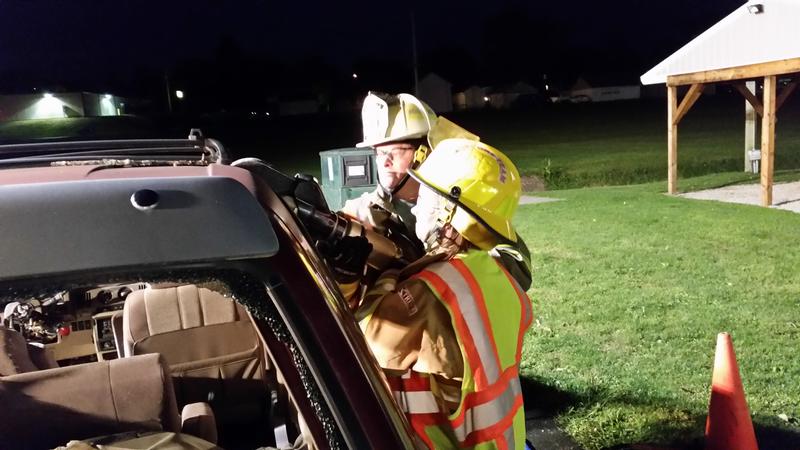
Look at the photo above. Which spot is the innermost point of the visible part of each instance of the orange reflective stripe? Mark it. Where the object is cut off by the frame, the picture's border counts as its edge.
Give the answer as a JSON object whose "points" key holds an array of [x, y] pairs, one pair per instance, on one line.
{"points": [[480, 302], [412, 391], [474, 399], [492, 432], [483, 419], [441, 288], [460, 298], [413, 381]]}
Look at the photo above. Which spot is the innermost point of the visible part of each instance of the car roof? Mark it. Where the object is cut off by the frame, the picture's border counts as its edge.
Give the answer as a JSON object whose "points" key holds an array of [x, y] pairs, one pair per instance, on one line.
{"points": [[90, 220]]}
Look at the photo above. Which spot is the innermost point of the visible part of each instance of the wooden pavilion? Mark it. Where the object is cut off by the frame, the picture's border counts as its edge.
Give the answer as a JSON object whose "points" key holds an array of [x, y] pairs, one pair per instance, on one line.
{"points": [[758, 41]]}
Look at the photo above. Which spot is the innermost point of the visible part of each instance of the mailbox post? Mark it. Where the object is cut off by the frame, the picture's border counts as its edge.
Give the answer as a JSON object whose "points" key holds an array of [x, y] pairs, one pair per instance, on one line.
{"points": [[347, 173]]}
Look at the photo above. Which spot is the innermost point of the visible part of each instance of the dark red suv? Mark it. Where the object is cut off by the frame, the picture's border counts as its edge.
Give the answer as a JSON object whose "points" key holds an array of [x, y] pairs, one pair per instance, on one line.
{"points": [[153, 292]]}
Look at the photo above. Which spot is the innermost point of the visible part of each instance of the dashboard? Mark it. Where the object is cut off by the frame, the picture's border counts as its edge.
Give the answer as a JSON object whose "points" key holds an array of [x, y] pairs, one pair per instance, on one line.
{"points": [[74, 326]]}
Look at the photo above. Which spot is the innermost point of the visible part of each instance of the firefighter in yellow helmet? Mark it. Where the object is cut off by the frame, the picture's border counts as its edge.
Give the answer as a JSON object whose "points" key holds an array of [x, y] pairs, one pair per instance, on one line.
{"points": [[397, 127], [402, 129], [448, 329]]}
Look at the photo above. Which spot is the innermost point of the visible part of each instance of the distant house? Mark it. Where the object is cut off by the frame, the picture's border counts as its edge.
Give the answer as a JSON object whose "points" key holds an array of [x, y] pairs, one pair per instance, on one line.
{"points": [[599, 90], [505, 97], [474, 97], [59, 105], [436, 92]]}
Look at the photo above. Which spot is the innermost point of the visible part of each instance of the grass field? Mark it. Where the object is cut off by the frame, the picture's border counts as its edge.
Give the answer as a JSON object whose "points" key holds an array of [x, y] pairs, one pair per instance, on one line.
{"points": [[630, 286], [566, 146], [615, 144]]}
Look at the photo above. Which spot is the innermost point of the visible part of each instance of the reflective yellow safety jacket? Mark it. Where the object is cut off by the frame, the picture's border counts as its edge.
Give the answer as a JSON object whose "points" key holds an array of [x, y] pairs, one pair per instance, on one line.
{"points": [[490, 314]]}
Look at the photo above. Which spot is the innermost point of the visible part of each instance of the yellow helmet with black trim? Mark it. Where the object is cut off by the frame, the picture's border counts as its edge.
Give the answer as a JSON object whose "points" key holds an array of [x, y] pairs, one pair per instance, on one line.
{"points": [[481, 181]]}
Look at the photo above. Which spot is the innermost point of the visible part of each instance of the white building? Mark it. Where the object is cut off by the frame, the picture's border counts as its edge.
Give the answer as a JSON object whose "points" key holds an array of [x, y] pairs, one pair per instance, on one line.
{"points": [[504, 97], [602, 92], [474, 97], [59, 105], [436, 92]]}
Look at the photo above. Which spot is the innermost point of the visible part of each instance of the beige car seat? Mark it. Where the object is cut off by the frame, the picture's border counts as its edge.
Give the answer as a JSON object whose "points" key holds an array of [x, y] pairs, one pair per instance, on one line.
{"points": [[46, 408], [209, 343]]}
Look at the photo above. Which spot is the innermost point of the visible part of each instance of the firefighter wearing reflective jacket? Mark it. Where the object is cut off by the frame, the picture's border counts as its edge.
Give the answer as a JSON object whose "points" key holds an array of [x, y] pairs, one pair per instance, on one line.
{"points": [[448, 329], [402, 129]]}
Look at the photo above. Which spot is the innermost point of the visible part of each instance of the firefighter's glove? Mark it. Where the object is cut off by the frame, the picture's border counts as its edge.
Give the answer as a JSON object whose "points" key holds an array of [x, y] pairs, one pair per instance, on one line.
{"points": [[347, 258]]}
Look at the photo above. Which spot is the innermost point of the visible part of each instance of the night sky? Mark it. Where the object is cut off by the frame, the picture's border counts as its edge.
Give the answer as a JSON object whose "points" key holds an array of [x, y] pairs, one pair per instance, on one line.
{"points": [[93, 41]]}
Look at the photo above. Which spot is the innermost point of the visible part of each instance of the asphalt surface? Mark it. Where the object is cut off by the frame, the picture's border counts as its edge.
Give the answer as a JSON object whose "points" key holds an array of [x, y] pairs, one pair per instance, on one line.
{"points": [[545, 435]]}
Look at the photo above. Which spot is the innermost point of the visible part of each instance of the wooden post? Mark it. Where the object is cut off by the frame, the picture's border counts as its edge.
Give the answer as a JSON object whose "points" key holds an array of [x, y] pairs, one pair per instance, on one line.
{"points": [[749, 127], [768, 140], [672, 140]]}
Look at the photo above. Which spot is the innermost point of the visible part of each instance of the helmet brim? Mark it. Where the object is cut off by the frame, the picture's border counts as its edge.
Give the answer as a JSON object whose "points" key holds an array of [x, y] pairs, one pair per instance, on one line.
{"points": [[391, 140]]}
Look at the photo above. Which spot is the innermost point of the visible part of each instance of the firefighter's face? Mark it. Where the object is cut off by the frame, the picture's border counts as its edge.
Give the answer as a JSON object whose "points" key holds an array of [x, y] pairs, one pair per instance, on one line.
{"points": [[393, 161], [427, 210]]}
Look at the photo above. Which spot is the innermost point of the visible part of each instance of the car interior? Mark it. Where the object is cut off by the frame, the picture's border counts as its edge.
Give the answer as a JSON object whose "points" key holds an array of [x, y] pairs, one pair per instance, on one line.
{"points": [[143, 358]]}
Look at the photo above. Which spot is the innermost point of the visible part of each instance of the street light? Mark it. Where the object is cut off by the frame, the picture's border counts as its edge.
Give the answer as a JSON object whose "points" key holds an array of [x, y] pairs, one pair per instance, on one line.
{"points": [[179, 94], [355, 75]]}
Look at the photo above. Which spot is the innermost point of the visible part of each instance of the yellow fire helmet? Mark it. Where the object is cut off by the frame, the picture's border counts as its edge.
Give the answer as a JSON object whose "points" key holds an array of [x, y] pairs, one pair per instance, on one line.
{"points": [[481, 181], [392, 118]]}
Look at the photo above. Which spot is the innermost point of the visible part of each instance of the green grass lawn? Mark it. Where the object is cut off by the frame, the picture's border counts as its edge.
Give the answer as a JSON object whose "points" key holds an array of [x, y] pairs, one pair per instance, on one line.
{"points": [[630, 289], [568, 146], [119, 127], [623, 143]]}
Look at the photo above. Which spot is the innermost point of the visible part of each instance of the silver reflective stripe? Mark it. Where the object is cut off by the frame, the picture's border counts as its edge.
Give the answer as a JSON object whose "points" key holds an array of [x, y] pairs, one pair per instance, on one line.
{"points": [[487, 414], [472, 316], [509, 435], [416, 402]]}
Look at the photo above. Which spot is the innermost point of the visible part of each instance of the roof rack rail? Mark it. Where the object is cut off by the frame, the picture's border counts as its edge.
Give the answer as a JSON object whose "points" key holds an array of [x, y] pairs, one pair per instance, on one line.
{"points": [[194, 148]]}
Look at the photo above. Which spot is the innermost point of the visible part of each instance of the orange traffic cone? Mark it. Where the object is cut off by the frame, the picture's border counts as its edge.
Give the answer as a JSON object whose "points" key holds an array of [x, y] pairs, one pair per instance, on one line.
{"points": [[728, 426]]}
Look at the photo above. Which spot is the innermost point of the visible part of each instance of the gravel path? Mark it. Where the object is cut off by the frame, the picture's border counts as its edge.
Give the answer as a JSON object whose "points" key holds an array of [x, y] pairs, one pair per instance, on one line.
{"points": [[529, 200], [784, 195]]}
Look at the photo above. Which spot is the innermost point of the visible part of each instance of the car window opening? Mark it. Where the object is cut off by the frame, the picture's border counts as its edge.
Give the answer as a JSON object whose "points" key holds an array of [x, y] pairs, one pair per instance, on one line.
{"points": [[174, 353]]}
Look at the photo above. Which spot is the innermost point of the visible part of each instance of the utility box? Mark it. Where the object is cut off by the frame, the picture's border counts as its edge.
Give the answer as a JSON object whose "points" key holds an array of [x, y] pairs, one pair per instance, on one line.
{"points": [[347, 173], [754, 156]]}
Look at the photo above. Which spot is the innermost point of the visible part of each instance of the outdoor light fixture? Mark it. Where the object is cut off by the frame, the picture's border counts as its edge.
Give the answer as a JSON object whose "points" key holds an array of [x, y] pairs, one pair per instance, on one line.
{"points": [[355, 75], [179, 94], [107, 96], [755, 8], [48, 107], [486, 99]]}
